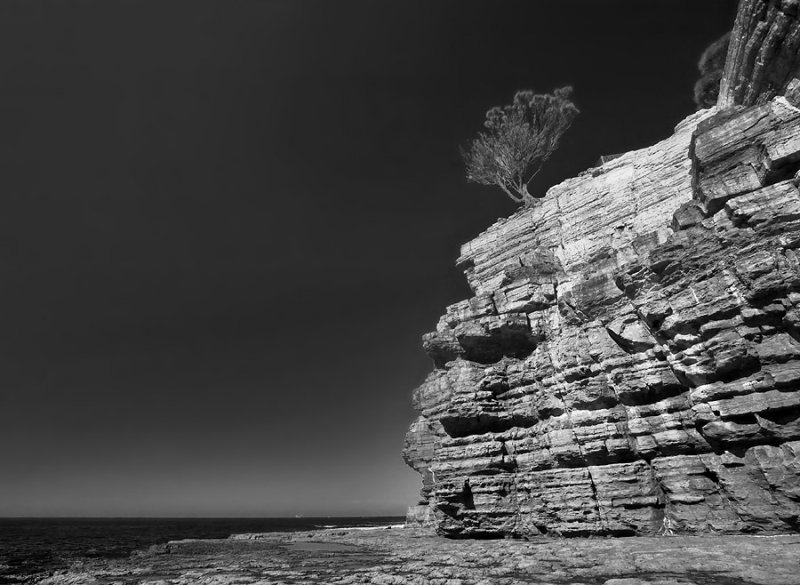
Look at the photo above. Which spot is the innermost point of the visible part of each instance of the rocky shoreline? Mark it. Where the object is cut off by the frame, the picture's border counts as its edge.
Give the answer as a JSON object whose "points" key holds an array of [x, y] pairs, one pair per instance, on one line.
{"points": [[407, 556]]}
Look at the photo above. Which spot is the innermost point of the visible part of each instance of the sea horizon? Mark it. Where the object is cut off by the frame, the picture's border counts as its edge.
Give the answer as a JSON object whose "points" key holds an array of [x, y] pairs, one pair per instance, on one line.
{"points": [[309, 516], [32, 548]]}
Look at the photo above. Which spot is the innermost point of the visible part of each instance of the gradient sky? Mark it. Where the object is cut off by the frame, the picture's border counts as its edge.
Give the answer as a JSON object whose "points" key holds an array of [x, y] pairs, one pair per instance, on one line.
{"points": [[225, 226]]}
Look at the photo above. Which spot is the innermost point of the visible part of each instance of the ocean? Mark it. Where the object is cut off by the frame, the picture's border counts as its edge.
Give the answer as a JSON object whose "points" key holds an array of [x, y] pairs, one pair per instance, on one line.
{"points": [[31, 549]]}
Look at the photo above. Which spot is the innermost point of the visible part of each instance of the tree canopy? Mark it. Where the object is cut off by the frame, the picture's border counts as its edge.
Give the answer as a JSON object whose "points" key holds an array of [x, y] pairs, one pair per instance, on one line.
{"points": [[518, 139]]}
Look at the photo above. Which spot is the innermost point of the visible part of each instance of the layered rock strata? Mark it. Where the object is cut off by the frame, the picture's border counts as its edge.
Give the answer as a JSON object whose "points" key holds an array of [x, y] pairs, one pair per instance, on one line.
{"points": [[630, 360], [764, 54]]}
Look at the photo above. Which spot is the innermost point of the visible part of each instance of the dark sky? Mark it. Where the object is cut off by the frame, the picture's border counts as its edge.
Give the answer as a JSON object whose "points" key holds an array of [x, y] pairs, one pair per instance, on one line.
{"points": [[224, 227]]}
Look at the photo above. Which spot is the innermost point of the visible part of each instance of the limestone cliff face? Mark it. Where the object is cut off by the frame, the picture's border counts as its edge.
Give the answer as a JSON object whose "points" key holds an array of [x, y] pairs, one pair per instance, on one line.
{"points": [[630, 360]]}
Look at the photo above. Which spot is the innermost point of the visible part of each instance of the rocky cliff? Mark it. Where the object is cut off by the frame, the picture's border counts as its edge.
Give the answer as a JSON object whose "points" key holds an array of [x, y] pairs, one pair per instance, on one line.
{"points": [[630, 360]]}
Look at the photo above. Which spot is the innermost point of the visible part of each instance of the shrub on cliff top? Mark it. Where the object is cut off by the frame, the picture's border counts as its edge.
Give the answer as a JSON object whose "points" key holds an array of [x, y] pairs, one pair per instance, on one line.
{"points": [[711, 66], [518, 139]]}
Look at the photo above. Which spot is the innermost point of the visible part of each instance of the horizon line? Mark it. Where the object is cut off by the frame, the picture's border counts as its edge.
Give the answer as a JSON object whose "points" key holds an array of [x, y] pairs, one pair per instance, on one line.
{"points": [[295, 517]]}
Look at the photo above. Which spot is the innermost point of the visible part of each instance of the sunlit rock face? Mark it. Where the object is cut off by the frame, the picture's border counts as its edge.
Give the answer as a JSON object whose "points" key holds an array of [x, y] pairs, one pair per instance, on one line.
{"points": [[630, 360], [763, 57]]}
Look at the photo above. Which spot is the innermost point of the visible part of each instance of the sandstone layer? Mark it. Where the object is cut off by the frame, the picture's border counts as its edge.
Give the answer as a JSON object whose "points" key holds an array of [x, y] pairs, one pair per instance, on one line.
{"points": [[630, 360]]}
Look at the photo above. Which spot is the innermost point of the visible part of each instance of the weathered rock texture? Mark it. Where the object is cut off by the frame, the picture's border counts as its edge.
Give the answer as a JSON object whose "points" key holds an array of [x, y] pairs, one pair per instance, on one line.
{"points": [[630, 362], [764, 53], [410, 557]]}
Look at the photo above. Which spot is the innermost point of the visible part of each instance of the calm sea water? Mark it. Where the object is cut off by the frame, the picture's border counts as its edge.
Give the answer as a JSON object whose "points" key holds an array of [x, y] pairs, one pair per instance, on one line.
{"points": [[33, 548]]}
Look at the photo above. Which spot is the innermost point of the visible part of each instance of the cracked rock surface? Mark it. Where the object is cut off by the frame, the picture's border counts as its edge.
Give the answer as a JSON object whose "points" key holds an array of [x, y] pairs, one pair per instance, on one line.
{"points": [[764, 53], [412, 557]]}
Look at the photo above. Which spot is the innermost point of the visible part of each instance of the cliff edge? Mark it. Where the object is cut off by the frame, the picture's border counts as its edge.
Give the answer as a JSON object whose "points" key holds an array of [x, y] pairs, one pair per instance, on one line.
{"points": [[630, 360]]}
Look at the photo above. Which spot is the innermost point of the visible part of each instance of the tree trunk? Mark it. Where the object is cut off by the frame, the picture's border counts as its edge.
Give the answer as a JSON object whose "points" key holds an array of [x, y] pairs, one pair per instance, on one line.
{"points": [[508, 192], [527, 198]]}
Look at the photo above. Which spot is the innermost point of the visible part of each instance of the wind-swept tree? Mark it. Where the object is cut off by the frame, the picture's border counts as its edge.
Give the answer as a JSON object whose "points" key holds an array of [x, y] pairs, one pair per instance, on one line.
{"points": [[518, 139]]}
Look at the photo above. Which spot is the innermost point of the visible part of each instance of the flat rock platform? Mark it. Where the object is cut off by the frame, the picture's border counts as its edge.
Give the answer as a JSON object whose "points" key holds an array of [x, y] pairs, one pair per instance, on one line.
{"points": [[403, 556]]}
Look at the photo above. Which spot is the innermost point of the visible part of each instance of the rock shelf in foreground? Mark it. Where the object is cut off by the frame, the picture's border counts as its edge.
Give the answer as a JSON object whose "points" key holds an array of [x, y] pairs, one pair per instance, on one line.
{"points": [[409, 557]]}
